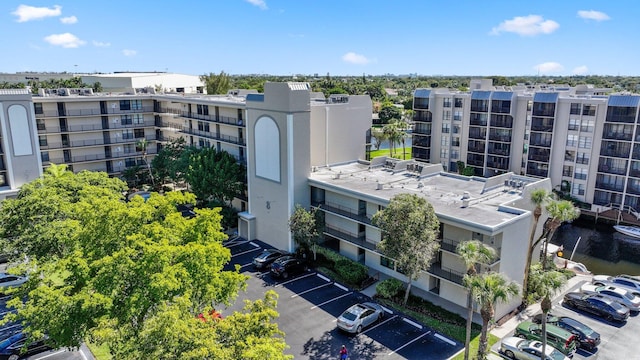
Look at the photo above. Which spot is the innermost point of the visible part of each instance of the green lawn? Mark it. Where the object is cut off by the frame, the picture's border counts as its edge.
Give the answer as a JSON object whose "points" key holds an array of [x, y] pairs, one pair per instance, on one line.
{"points": [[100, 352], [398, 153]]}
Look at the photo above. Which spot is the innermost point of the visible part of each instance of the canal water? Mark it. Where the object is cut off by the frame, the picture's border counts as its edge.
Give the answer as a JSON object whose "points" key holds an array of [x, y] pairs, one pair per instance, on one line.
{"points": [[601, 249]]}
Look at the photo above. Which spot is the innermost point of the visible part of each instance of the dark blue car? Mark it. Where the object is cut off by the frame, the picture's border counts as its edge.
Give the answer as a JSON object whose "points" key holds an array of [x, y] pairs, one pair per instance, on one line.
{"points": [[16, 347]]}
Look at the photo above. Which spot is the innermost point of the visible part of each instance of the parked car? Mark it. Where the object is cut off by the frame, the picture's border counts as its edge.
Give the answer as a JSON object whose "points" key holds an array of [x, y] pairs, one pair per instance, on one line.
{"points": [[621, 295], [521, 349], [267, 257], [559, 338], [359, 316], [287, 266], [12, 347], [10, 280], [589, 339], [598, 305], [625, 282]]}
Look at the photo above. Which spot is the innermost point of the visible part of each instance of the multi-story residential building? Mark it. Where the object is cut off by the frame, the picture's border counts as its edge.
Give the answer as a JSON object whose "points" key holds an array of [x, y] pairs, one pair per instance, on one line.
{"points": [[584, 140]]}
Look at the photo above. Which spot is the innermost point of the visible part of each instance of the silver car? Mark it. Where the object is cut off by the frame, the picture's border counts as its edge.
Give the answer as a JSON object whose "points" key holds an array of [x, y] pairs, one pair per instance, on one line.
{"points": [[521, 349], [10, 280], [359, 316], [623, 296], [626, 282]]}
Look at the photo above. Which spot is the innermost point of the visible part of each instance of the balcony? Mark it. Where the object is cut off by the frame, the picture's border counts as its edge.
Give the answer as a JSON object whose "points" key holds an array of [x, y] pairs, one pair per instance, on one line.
{"points": [[436, 269], [621, 153], [421, 103], [209, 118], [612, 170], [496, 151], [205, 134], [92, 112], [609, 186], [343, 211], [477, 149], [537, 172], [96, 157], [501, 138], [617, 136], [341, 234]]}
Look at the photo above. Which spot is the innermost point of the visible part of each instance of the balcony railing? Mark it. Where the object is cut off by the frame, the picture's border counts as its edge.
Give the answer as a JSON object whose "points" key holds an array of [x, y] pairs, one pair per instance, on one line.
{"points": [[92, 127], [349, 237], [93, 112], [97, 157], [210, 118], [206, 134], [343, 211], [447, 274]]}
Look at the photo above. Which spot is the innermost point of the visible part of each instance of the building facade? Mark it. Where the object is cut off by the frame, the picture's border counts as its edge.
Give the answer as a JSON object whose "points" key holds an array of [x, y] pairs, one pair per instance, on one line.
{"points": [[585, 141]]}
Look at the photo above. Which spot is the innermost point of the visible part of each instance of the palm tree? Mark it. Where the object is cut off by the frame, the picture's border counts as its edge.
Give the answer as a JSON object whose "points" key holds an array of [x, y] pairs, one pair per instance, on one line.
{"points": [[489, 289], [538, 197], [546, 283], [473, 253], [559, 212], [142, 145], [394, 131]]}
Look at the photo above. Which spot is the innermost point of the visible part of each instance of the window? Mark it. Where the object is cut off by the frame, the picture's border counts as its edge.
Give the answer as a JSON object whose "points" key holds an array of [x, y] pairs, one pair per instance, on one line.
{"points": [[583, 158], [446, 127], [127, 134], [136, 104], [574, 124], [43, 140], [589, 110], [455, 154], [45, 156], [446, 115], [575, 108], [567, 170], [40, 124], [203, 126], [572, 140], [446, 102], [386, 262], [585, 142], [457, 102], [581, 174], [569, 155], [129, 148], [128, 162], [457, 115], [37, 107], [125, 105], [138, 119], [456, 129], [587, 126], [578, 189], [444, 153], [203, 110], [125, 120], [444, 141], [139, 133]]}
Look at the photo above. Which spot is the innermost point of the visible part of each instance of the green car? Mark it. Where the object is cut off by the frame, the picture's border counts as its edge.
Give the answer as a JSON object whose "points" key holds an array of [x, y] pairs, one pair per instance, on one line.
{"points": [[559, 338]]}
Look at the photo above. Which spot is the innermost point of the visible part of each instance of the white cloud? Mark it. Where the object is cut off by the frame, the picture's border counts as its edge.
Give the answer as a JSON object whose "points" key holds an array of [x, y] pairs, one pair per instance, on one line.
{"points": [[69, 20], [66, 40], [548, 67], [354, 58], [28, 13], [526, 26], [593, 15], [581, 70], [259, 3], [100, 44], [128, 52]]}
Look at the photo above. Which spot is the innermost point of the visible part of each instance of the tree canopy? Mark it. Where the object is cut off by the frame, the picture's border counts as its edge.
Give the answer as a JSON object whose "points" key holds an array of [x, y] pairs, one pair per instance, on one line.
{"points": [[409, 228], [214, 175], [216, 84], [133, 275]]}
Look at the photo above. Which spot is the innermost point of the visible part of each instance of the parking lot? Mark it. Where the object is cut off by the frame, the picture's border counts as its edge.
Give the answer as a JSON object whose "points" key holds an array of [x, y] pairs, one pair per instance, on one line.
{"points": [[618, 340], [309, 305]]}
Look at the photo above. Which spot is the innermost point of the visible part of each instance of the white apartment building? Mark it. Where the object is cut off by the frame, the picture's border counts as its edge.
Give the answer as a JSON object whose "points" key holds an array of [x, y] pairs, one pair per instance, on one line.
{"points": [[585, 141]]}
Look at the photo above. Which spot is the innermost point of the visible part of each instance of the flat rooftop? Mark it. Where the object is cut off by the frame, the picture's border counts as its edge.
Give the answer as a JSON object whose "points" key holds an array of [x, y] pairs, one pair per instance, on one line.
{"points": [[490, 203]]}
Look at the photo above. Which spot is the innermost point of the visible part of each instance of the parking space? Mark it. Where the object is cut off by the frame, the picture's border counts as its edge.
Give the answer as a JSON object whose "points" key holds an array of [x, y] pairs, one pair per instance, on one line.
{"points": [[309, 305]]}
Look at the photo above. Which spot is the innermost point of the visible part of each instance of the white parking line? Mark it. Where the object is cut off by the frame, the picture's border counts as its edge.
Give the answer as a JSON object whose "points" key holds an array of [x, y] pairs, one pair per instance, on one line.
{"points": [[383, 322], [412, 323], [254, 244], [296, 279], [323, 277], [246, 252], [310, 290], [84, 357], [237, 243], [341, 287], [387, 310], [444, 339], [409, 343], [328, 301], [49, 355], [241, 266]]}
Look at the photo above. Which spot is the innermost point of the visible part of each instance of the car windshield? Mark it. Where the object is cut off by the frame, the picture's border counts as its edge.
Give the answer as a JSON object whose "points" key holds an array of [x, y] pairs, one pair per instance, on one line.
{"points": [[349, 315], [574, 324], [616, 305], [556, 355], [629, 295]]}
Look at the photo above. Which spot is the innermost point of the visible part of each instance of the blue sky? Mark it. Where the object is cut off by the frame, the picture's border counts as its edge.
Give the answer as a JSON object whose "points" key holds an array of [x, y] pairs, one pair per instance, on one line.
{"points": [[340, 37]]}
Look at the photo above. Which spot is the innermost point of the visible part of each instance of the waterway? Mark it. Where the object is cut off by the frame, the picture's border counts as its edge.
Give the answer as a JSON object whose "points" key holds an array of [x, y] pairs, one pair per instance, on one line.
{"points": [[601, 249]]}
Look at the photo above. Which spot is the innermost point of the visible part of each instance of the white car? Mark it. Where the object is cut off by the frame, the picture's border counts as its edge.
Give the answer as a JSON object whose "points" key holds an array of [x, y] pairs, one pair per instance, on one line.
{"points": [[521, 349], [626, 282], [359, 316], [623, 296], [10, 280]]}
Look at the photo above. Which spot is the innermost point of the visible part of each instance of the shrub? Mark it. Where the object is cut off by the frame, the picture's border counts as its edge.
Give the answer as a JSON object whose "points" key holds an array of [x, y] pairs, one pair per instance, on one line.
{"points": [[389, 288], [351, 271]]}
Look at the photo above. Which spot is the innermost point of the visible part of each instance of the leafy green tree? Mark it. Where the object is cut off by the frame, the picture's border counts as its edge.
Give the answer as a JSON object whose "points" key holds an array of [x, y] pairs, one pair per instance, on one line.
{"points": [[409, 228], [97, 87], [472, 254], [303, 225], [538, 198], [166, 163], [142, 145], [216, 84], [132, 275], [214, 175], [489, 289], [379, 136], [544, 284], [468, 171], [389, 111]]}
